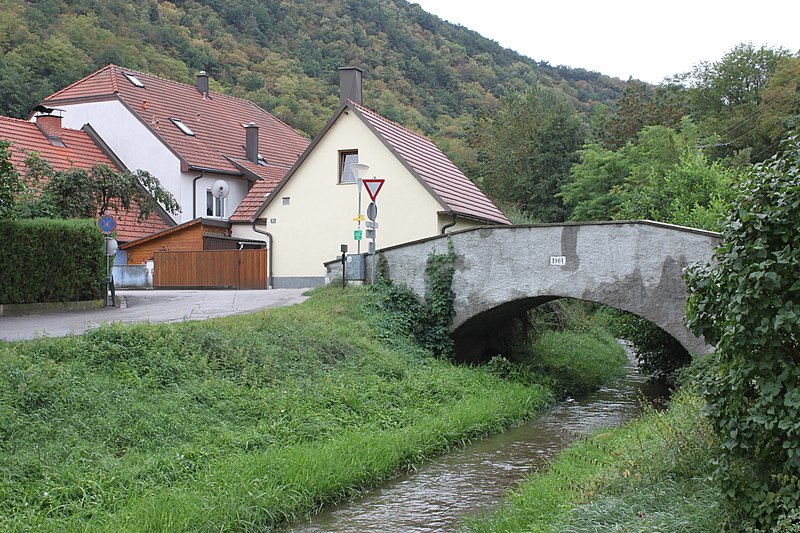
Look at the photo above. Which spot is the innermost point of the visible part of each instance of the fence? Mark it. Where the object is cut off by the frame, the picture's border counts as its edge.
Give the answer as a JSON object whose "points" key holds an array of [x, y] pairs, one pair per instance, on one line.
{"points": [[239, 269]]}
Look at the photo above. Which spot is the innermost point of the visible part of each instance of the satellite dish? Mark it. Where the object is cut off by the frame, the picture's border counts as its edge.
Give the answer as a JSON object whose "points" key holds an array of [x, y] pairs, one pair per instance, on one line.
{"points": [[220, 189]]}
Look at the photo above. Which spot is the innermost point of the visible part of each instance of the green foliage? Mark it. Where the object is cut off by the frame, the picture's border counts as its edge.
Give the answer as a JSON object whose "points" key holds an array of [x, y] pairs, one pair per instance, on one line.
{"points": [[638, 106], [593, 182], [726, 98], [658, 354], [650, 475], [748, 304], [10, 183], [577, 362], [78, 193], [663, 176], [240, 423], [50, 261], [525, 150], [430, 321]]}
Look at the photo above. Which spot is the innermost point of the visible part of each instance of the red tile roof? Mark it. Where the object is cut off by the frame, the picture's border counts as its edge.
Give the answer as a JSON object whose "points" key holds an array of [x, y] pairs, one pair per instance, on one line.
{"points": [[433, 168], [217, 120], [257, 194], [78, 151]]}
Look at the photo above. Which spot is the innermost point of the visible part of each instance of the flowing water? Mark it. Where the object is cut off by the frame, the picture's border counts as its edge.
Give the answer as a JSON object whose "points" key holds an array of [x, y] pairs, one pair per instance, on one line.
{"points": [[465, 482]]}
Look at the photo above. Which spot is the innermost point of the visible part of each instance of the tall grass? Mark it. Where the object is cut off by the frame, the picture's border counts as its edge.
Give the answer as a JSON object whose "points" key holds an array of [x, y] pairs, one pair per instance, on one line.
{"points": [[236, 423], [650, 475]]}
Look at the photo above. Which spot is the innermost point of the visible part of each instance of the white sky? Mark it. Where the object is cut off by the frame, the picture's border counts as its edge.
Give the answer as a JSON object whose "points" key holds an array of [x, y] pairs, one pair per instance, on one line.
{"points": [[648, 40]]}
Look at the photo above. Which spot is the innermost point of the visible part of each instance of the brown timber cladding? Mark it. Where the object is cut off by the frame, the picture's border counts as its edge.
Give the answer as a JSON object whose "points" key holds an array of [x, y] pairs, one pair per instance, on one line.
{"points": [[240, 269]]}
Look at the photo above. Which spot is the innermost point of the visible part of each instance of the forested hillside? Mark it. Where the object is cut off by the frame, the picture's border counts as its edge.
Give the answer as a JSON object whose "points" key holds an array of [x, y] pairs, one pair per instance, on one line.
{"points": [[283, 55]]}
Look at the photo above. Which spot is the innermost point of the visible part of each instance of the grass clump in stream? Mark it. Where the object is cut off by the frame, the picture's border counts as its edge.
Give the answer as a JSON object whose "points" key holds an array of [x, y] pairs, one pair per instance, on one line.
{"points": [[242, 423]]}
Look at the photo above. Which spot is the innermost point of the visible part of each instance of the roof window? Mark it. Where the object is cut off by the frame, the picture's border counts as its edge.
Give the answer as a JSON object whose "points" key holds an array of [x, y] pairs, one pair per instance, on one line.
{"points": [[133, 79], [183, 127]]}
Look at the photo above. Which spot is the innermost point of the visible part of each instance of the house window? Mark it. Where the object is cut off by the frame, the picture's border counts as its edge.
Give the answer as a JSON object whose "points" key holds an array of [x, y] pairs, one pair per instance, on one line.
{"points": [[133, 79], [183, 127], [347, 158], [213, 205]]}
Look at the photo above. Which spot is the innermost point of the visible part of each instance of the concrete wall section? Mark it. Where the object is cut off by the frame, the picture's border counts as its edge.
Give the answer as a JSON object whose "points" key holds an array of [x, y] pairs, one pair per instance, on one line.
{"points": [[633, 266]]}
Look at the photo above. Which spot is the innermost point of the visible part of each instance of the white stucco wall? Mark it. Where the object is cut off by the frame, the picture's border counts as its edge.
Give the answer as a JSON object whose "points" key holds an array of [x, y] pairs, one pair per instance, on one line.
{"points": [[139, 149], [319, 216]]}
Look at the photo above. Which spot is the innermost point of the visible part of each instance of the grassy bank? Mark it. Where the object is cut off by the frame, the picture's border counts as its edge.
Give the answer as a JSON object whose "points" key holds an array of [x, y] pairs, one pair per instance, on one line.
{"points": [[650, 475], [236, 423]]}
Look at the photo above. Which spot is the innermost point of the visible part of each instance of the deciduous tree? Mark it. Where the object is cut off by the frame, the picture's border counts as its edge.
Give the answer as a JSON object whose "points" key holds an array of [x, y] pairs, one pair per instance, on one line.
{"points": [[525, 151]]}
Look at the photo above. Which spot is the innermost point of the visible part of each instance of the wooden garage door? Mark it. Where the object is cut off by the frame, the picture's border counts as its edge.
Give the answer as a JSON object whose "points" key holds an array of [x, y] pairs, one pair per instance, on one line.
{"points": [[238, 269]]}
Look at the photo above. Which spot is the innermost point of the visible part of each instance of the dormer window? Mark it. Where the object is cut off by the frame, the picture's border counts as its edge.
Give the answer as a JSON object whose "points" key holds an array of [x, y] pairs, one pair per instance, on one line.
{"points": [[183, 127], [133, 79]]}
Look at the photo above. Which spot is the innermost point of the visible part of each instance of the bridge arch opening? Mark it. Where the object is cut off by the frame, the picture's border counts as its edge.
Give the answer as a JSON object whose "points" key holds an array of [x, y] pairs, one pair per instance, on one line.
{"points": [[493, 332]]}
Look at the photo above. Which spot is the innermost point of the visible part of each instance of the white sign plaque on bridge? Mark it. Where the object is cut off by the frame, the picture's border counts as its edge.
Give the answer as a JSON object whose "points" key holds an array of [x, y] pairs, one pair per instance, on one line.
{"points": [[558, 260]]}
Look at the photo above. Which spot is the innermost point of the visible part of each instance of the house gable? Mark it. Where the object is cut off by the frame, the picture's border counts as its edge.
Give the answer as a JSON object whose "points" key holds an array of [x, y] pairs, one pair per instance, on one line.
{"points": [[310, 214]]}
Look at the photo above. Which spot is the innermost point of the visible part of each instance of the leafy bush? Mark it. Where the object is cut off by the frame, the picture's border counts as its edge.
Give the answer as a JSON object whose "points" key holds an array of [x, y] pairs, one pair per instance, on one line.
{"points": [[46, 260], [748, 304], [429, 321]]}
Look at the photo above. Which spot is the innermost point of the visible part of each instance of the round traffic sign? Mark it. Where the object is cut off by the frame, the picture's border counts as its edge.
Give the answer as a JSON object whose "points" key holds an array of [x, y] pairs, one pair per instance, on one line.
{"points": [[372, 211], [107, 224]]}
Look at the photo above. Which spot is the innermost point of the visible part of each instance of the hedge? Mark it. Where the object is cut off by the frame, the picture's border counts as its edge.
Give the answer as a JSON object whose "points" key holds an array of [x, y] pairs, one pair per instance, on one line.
{"points": [[46, 260]]}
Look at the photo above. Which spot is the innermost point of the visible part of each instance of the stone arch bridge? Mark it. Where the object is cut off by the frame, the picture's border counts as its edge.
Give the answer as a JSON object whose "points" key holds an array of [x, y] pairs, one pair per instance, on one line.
{"points": [[501, 271]]}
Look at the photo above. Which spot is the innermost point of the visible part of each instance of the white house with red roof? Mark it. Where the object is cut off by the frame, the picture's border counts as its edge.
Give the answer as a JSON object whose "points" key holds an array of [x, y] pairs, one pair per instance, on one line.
{"points": [[65, 148], [187, 136], [310, 212]]}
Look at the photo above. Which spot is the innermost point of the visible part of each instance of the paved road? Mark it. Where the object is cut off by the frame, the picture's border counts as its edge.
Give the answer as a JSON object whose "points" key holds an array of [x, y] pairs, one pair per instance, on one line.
{"points": [[152, 306]]}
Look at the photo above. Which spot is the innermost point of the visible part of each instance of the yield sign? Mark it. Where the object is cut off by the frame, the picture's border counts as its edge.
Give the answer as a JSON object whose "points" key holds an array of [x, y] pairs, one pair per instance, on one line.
{"points": [[373, 187]]}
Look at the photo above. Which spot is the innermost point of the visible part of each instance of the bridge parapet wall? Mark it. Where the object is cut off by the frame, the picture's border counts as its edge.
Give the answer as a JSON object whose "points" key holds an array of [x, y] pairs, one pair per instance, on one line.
{"points": [[633, 266]]}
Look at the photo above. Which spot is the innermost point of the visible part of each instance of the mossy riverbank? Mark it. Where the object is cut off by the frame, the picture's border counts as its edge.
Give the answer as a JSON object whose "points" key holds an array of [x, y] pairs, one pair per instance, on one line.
{"points": [[238, 423]]}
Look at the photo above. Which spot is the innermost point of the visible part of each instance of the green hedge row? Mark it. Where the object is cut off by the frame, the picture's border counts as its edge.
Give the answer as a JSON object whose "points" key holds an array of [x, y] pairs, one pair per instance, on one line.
{"points": [[45, 260]]}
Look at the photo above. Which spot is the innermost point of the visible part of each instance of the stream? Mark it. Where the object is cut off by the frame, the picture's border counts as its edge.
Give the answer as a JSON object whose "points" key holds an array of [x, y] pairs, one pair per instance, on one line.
{"points": [[475, 479]]}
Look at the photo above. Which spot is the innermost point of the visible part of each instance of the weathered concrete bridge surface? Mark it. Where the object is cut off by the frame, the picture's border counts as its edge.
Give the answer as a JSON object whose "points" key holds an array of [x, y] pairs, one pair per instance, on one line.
{"points": [[503, 270]]}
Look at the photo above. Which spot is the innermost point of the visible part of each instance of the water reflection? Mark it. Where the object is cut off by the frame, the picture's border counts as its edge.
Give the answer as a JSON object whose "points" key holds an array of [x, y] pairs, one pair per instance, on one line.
{"points": [[475, 479]]}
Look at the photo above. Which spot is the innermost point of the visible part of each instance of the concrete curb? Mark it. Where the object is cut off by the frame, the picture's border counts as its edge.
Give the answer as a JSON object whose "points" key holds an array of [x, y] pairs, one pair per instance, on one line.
{"points": [[50, 307]]}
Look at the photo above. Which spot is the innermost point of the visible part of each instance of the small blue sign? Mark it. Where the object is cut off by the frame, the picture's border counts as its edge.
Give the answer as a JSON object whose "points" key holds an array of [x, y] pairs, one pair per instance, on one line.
{"points": [[107, 224]]}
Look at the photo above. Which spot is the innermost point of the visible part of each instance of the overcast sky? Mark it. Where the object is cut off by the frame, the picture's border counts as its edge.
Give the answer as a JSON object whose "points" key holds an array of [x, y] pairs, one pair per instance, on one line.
{"points": [[624, 38]]}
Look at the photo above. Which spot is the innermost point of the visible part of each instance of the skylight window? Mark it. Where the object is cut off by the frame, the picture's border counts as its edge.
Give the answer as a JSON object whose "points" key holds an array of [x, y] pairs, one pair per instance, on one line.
{"points": [[183, 127], [134, 80]]}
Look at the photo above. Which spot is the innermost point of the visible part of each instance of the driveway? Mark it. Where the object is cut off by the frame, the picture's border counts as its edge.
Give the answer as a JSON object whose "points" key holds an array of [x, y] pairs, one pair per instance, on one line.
{"points": [[149, 306]]}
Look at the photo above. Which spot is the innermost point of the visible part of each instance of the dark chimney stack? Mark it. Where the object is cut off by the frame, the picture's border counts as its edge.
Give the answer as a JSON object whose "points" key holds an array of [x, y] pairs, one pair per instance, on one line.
{"points": [[251, 142], [202, 83], [350, 84]]}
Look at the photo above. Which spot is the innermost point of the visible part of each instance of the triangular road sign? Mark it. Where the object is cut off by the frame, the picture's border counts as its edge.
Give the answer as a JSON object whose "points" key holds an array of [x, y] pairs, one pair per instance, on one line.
{"points": [[373, 187]]}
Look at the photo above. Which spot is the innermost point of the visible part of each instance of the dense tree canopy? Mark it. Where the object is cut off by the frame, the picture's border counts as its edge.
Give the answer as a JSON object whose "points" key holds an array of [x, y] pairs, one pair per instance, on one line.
{"points": [[421, 71], [525, 150]]}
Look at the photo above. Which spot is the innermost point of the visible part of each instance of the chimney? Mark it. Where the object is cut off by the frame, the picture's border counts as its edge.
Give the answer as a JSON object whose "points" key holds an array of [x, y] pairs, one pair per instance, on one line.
{"points": [[350, 84], [251, 142], [202, 83], [50, 126]]}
